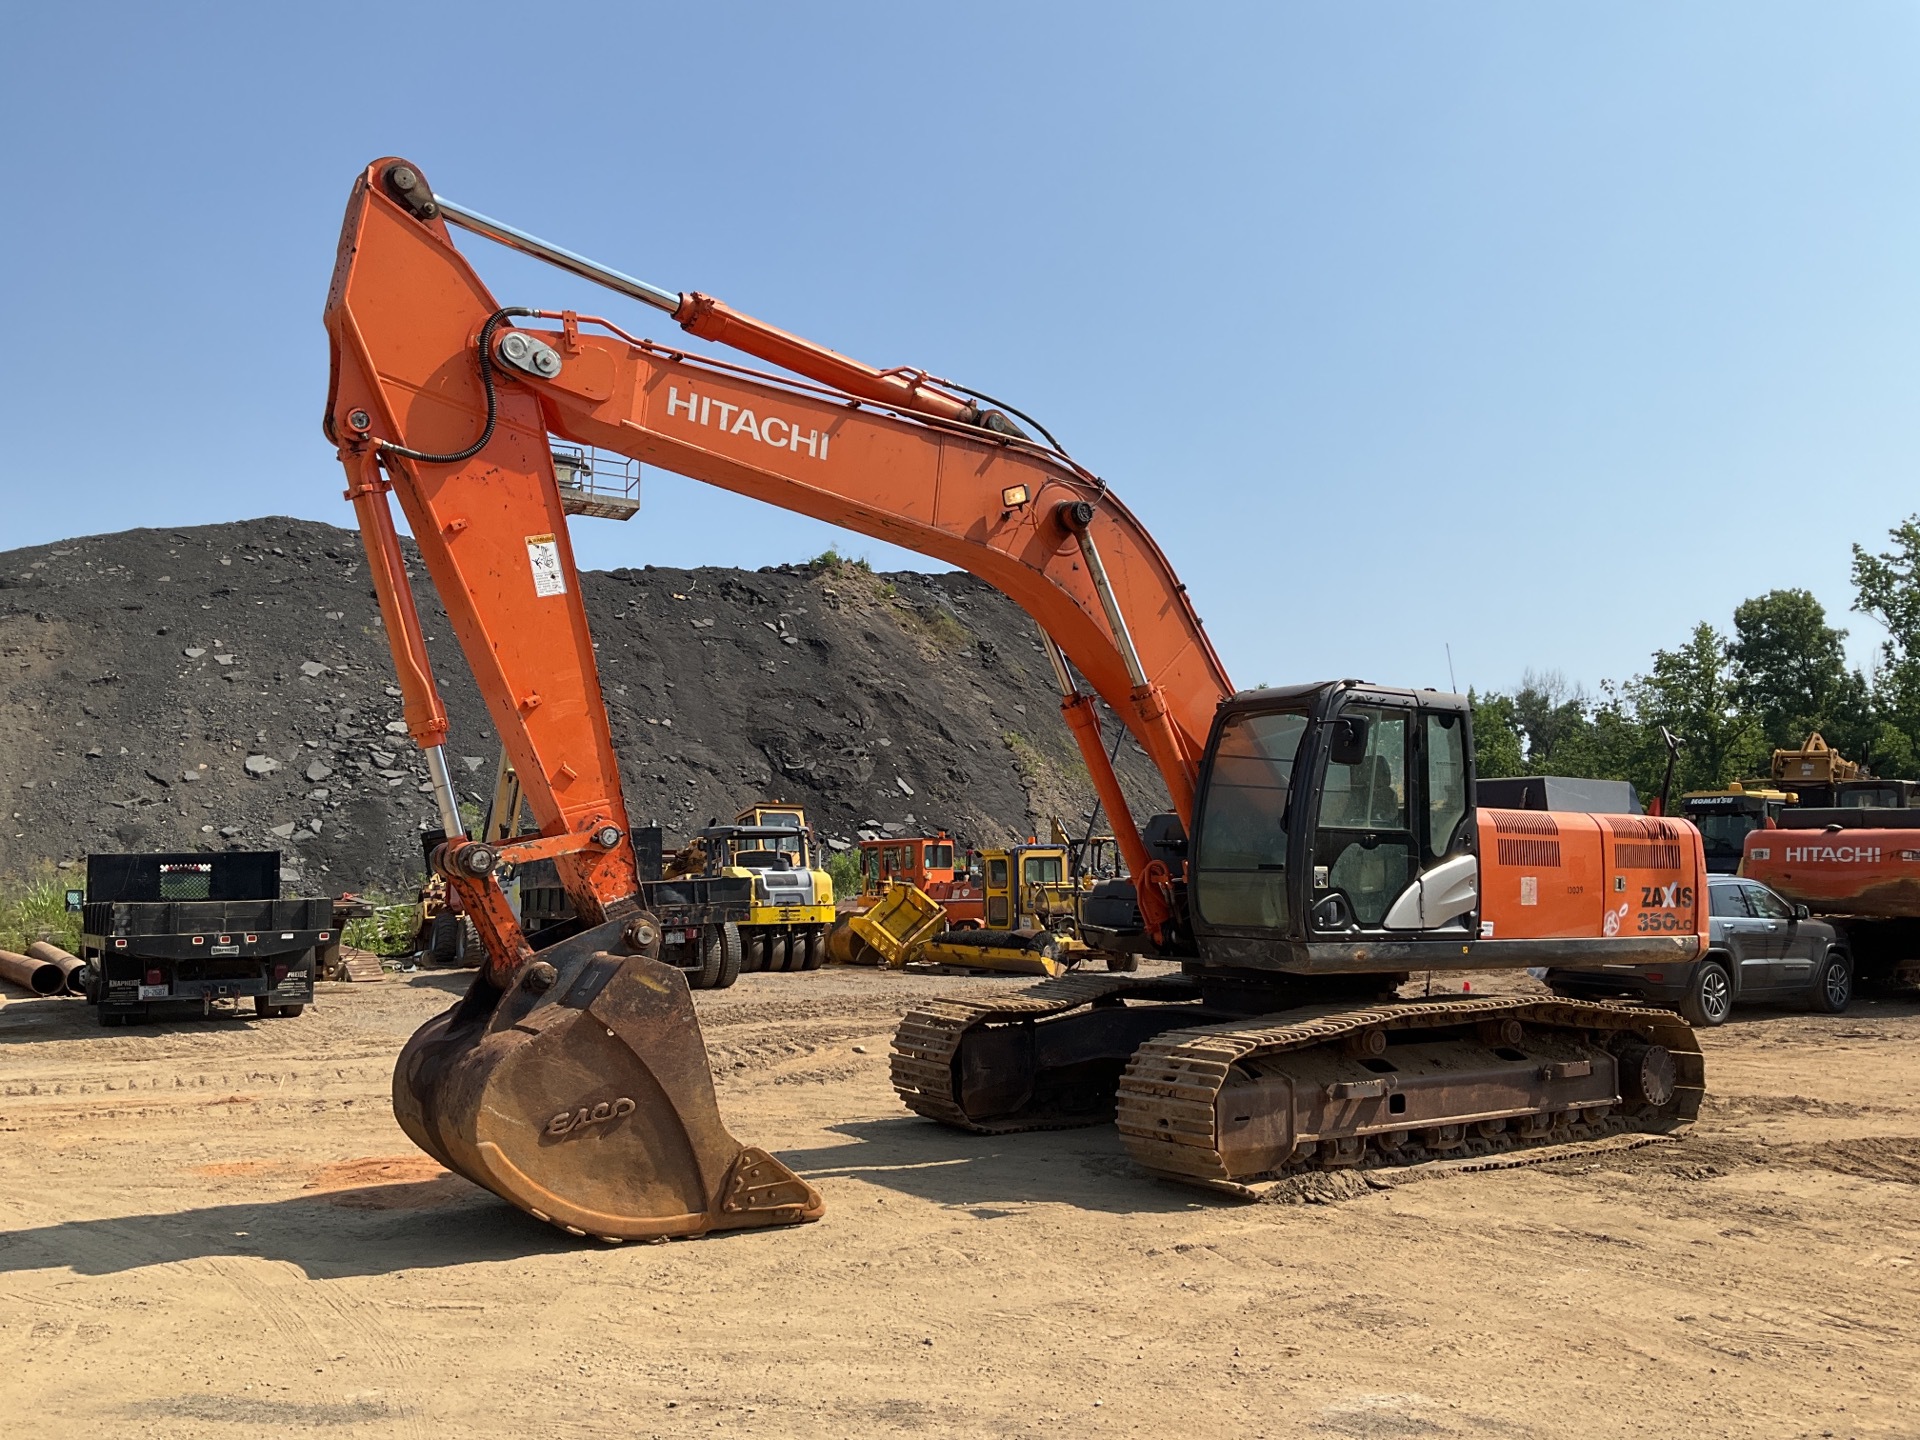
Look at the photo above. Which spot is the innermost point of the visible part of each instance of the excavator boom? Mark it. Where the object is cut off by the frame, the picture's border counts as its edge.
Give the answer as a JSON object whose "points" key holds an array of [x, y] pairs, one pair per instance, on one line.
{"points": [[444, 400]]}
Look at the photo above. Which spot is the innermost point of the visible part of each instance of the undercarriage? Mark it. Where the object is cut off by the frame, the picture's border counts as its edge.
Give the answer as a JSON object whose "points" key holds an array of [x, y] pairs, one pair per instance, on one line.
{"points": [[1210, 1094]]}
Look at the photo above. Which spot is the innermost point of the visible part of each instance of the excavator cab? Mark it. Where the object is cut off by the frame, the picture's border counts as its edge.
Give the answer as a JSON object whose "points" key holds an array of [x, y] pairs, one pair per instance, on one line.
{"points": [[1330, 814]]}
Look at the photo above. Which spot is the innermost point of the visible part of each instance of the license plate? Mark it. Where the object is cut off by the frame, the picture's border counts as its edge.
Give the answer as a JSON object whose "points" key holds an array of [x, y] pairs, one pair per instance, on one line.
{"points": [[223, 949], [153, 992]]}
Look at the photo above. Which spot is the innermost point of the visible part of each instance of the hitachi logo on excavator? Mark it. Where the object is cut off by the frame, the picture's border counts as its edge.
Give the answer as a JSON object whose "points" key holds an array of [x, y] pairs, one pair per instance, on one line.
{"points": [[738, 420], [1833, 854]]}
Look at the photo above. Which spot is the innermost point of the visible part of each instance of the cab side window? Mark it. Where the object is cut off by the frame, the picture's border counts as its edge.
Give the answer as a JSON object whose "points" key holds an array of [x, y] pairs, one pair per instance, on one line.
{"points": [[1446, 757]]}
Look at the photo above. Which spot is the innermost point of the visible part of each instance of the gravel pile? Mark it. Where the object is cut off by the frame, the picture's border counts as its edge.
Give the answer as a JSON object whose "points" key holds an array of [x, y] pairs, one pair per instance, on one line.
{"points": [[229, 686]]}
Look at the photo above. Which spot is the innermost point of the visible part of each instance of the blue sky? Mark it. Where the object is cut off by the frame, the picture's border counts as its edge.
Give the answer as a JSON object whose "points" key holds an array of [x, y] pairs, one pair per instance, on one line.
{"points": [[1542, 331]]}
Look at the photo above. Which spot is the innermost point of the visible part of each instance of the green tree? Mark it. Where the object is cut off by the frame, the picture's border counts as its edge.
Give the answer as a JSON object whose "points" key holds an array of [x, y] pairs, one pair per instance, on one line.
{"points": [[1613, 743], [1790, 673], [1887, 587], [1496, 736], [1549, 712], [1691, 692]]}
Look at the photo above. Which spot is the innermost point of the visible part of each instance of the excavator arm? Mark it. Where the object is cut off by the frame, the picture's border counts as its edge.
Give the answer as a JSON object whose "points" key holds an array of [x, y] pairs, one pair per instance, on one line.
{"points": [[441, 398], [886, 453]]}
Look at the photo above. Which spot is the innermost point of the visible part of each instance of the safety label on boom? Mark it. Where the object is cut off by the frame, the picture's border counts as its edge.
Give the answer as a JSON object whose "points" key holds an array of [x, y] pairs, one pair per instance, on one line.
{"points": [[543, 553]]}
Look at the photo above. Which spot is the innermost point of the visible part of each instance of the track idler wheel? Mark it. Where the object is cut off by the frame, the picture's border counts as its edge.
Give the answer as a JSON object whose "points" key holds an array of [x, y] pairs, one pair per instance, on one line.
{"points": [[582, 1095], [1647, 1074]]}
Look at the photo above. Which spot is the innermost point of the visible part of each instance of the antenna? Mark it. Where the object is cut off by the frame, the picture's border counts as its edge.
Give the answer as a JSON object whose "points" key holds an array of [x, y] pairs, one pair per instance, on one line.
{"points": [[1452, 684]]}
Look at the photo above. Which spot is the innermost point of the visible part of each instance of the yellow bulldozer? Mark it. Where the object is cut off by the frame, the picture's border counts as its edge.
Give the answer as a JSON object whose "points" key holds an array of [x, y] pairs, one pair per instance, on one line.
{"points": [[1031, 919]]}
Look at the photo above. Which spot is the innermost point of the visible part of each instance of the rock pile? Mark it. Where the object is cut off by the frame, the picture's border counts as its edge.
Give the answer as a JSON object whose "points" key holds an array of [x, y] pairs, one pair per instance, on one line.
{"points": [[229, 686]]}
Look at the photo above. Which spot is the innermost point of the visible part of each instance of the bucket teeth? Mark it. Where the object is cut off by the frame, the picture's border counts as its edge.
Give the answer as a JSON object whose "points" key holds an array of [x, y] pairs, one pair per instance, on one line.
{"points": [[762, 1183]]}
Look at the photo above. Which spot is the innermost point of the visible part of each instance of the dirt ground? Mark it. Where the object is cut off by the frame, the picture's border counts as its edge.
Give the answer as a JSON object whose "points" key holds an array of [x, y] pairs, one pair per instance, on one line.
{"points": [[217, 1229]]}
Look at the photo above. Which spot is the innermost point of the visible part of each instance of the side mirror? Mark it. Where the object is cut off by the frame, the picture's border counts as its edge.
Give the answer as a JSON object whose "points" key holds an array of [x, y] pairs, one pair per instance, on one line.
{"points": [[1349, 745], [1801, 912], [74, 899]]}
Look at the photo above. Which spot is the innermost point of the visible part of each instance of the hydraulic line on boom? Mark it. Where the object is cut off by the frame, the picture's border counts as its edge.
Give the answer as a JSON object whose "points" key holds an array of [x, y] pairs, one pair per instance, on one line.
{"points": [[1322, 841]]}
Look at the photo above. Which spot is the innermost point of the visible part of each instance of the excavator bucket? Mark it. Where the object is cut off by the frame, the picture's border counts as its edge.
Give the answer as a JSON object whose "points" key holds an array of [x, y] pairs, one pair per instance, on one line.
{"points": [[582, 1095]]}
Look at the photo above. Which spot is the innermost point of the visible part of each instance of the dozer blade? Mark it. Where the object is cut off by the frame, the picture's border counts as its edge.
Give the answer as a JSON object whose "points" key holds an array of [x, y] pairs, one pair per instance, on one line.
{"points": [[582, 1095], [1005, 952]]}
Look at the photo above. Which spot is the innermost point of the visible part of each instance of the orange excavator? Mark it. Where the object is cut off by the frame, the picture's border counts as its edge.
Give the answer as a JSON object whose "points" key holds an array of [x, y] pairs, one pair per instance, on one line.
{"points": [[1322, 846]]}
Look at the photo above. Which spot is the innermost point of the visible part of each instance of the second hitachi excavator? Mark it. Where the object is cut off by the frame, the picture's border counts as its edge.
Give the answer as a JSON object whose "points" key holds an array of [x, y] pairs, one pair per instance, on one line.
{"points": [[1322, 844]]}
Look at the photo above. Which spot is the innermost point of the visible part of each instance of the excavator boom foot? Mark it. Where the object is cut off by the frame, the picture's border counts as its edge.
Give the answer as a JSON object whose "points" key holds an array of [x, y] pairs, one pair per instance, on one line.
{"points": [[582, 1095]]}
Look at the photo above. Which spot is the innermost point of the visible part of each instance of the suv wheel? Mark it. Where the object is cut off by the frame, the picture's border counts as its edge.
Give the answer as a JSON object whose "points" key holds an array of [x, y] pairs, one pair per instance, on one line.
{"points": [[1833, 983], [1709, 998]]}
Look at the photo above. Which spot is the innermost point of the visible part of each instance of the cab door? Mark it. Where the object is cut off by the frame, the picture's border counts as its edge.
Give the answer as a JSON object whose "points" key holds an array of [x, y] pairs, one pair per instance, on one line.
{"points": [[999, 893], [1365, 849], [1043, 879]]}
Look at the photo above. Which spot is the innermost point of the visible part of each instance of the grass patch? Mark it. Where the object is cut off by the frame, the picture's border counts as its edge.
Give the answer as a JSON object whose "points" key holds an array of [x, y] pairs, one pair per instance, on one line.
{"points": [[389, 931], [831, 559], [35, 908], [844, 867]]}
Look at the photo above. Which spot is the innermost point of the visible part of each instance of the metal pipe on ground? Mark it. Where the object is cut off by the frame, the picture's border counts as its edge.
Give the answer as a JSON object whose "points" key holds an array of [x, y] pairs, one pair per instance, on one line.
{"points": [[68, 962], [40, 976]]}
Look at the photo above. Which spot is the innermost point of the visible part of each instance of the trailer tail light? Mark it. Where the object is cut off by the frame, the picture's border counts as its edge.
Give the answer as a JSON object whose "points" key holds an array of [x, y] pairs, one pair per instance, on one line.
{"points": [[326, 934], [119, 944], [226, 939], [154, 977], [199, 939], [251, 939], [1656, 976]]}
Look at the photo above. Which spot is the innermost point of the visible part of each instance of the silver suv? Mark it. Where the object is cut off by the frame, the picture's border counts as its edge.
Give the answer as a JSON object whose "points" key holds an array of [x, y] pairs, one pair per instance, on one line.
{"points": [[1758, 948]]}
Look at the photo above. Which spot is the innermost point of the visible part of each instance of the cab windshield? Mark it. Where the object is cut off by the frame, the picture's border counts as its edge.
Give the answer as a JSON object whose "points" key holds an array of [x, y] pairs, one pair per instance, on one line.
{"points": [[1240, 870], [766, 853], [763, 860], [1724, 835]]}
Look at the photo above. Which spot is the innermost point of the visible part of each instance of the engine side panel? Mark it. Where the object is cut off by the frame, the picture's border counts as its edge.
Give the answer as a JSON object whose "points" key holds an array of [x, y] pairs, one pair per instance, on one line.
{"points": [[1561, 876]]}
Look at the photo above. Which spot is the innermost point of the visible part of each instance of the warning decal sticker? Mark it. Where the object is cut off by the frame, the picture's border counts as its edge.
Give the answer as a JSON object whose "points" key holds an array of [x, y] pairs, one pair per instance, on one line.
{"points": [[543, 553]]}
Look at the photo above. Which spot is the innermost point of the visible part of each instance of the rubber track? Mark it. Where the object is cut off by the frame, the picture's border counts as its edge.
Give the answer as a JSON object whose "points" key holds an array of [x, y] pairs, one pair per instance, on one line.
{"points": [[1167, 1093], [930, 1034]]}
